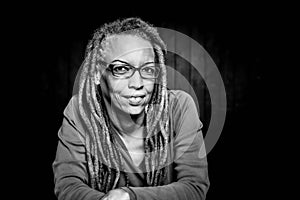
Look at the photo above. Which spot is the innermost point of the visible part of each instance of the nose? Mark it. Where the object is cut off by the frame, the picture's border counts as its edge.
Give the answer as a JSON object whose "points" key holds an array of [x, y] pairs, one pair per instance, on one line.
{"points": [[136, 81]]}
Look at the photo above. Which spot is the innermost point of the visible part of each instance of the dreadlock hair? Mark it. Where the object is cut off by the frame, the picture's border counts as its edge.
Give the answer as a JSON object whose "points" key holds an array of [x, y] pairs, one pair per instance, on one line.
{"points": [[104, 159]]}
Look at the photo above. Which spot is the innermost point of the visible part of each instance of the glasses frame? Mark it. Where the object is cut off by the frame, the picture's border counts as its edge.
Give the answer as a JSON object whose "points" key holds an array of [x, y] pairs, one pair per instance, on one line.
{"points": [[110, 68]]}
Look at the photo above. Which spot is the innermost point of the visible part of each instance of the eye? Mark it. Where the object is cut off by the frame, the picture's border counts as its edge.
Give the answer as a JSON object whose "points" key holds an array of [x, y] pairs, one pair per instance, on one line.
{"points": [[149, 69], [120, 69]]}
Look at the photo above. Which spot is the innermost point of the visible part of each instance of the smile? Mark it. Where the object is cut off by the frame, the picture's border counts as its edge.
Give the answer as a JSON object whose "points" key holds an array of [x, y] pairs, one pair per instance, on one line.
{"points": [[136, 100]]}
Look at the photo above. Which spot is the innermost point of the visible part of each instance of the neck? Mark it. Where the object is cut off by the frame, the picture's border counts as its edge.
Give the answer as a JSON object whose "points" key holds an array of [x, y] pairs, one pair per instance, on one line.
{"points": [[126, 124]]}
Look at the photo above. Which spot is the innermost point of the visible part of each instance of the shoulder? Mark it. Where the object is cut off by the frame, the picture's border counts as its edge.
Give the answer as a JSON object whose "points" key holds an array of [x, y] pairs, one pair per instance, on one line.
{"points": [[72, 107], [72, 112], [183, 110], [180, 99], [72, 127]]}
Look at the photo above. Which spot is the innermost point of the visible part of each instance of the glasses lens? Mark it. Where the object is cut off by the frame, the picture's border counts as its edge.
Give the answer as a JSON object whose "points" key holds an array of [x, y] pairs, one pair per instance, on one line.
{"points": [[150, 71], [121, 70]]}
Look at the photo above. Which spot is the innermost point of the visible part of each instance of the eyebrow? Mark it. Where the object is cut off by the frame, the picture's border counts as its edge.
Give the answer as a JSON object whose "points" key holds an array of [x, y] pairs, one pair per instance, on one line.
{"points": [[129, 63], [119, 61]]}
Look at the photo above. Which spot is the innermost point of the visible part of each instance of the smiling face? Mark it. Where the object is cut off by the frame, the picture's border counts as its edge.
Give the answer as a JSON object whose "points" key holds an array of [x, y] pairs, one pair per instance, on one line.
{"points": [[129, 95]]}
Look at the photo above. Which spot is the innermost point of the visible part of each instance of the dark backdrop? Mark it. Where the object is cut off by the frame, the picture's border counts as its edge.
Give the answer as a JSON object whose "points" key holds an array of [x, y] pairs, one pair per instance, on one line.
{"points": [[236, 40]]}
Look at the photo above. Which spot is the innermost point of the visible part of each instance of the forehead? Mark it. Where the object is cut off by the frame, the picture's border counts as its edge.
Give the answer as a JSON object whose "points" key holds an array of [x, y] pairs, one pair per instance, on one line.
{"points": [[127, 47]]}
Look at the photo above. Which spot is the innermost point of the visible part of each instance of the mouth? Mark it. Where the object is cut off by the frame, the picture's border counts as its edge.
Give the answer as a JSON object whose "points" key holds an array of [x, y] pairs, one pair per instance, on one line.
{"points": [[136, 100]]}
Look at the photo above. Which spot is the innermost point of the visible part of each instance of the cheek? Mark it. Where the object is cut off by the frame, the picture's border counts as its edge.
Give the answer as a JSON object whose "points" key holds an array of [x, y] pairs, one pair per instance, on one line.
{"points": [[116, 86], [149, 86], [115, 89]]}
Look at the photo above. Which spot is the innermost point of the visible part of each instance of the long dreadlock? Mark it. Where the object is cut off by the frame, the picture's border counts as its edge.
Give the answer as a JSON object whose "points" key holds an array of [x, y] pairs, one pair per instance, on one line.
{"points": [[102, 155]]}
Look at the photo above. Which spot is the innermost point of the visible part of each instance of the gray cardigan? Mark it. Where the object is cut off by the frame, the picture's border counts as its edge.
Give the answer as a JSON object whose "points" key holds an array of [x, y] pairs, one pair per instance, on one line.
{"points": [[187, 177]]}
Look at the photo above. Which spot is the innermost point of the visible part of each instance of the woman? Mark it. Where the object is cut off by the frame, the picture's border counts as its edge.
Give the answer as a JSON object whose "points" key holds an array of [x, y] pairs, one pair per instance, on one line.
{"points": [[124, 135]]}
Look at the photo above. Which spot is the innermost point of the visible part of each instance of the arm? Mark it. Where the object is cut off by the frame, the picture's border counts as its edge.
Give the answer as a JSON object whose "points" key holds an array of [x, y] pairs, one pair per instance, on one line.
{"points": [[69, 167], [190, 165]]}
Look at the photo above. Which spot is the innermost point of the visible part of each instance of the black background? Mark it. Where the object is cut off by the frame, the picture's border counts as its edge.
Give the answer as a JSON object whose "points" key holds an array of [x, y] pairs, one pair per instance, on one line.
{"points": [[239, 164]]}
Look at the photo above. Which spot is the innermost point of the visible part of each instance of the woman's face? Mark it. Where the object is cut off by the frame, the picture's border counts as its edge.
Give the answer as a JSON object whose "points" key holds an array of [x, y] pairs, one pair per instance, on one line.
{"points": [[129, 95]]}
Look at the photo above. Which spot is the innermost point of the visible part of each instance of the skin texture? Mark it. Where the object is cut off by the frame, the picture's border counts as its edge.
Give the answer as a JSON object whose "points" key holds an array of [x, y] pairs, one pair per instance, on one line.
{"points": [[136, 51]]}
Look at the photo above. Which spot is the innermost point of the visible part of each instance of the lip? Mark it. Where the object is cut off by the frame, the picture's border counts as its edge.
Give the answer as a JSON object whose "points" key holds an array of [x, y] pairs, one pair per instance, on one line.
{"points": [[135, 95], [136, 100]]}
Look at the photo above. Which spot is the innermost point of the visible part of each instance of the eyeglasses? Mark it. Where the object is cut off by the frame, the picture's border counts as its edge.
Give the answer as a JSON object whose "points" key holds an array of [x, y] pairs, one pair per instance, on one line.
{"points": [[149, 70]]}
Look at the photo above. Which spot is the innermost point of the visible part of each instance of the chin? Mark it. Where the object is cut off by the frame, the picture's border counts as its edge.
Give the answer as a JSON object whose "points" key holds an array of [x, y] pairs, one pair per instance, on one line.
{"points": [[135, 110]]}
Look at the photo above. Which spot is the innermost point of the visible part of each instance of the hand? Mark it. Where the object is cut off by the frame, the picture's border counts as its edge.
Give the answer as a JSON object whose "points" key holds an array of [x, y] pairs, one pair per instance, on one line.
{"points": [[116, 194]]}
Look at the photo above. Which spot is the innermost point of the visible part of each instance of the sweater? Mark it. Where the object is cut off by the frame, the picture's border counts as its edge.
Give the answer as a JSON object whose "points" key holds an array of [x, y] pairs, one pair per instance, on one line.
{"points": [[187, 174]]}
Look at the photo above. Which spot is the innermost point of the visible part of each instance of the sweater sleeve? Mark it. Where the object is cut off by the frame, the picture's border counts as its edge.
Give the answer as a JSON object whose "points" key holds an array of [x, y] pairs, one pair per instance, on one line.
{"points": [[190, 165], [70, 167]]}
